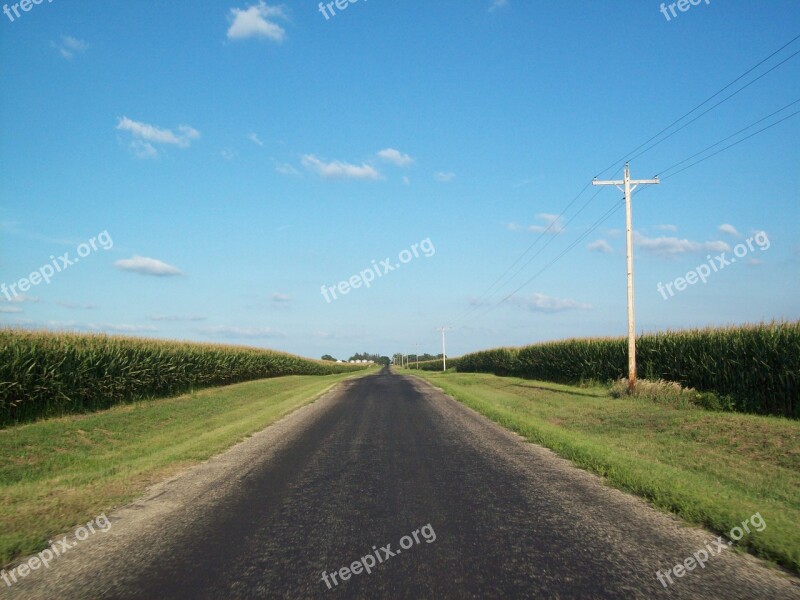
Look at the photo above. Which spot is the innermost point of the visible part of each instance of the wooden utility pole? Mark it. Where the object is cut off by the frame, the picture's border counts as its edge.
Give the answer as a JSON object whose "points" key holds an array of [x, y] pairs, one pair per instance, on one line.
{"points": [[627, 186], [444, 351]]}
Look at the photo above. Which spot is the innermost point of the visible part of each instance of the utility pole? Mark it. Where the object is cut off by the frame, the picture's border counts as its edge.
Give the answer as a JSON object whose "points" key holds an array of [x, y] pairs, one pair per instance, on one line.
{"points": [[417, 355], [444, 351], [628, 185]]}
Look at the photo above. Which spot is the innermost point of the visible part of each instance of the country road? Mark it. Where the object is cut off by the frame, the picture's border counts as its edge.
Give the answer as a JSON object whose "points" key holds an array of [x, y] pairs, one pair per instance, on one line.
{"points": [[373, 461]]}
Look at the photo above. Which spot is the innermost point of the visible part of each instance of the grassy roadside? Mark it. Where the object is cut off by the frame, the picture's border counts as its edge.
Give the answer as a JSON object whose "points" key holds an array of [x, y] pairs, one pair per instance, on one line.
{"points": [[60, 472], [711, 468]]}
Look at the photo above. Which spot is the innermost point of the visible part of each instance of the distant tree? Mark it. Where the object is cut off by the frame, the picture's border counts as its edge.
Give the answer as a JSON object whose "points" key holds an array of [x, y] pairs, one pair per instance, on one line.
{"points": [[376, 358], [385, 360], [329, 357]]}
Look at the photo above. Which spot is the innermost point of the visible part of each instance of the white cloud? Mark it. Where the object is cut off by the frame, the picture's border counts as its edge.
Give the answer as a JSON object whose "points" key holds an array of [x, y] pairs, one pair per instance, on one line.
{"points": [[147, 266], [76, 306], [240, 332], [666, 247], [672, 228], [552, 225], [176, 318], [254, 138], [444, 177], [548, 304], [69, 46], [600, 246], [406, 180], [396, 157], [497, 4], [339, 170], [729, 229], [143, 149], [228, 154], [19, 299], [120, 327], [257, 21], [145, 135], [277, 297], [287, 169]]}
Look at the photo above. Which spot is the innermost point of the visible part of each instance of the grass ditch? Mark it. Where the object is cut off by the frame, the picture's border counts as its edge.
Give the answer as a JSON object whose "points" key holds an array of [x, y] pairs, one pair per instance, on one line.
{"points": [[711, 468], [60, 472]]}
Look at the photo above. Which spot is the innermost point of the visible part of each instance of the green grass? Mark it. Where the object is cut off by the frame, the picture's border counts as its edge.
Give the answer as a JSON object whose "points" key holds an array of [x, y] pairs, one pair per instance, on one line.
{"points": [[63, 471], [751, 368], [711, 468]]}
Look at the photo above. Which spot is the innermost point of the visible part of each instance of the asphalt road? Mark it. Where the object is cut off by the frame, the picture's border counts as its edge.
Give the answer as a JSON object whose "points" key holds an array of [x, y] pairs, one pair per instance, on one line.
{"points": [[486, 514]]}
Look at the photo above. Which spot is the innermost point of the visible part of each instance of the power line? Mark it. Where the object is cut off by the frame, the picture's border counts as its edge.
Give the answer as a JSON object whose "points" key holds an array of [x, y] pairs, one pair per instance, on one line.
{"points": [[736, 143], [603, 218], [780, 110], [608, 214], [537, 253], [703, 103], [486, 293], [685, 125]]}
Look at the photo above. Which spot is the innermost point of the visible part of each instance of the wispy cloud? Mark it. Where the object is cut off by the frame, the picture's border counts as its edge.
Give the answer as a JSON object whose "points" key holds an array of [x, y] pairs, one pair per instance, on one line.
{"points": [[339, 170], [667, 247], [495, 4], [254, 138], [672, 228], [145, 136], [287, 169], [552, 224], [396, 157], [242, 332], [256, 21], [12, 305], [76, 305], [729, 229], [120, 327], [69, 46], [176, 318], [19, 299], [601, 246], [280, 298], [444, 177], [147, 266], [548, 304]]}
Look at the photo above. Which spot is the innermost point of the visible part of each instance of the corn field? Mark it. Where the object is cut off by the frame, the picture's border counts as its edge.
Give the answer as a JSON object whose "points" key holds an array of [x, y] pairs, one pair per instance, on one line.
{"points": [[433, 365], [46, 374], [756, 367]]}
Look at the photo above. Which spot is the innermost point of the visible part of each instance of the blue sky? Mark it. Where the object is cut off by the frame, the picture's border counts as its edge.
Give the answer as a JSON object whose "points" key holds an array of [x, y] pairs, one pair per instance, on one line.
{"points": [[241, 156]]}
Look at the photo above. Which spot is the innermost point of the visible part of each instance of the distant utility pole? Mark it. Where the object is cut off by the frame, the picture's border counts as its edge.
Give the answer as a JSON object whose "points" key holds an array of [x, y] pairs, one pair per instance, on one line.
{"points": [[444, 351], [628, 185], [417, 355]]}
